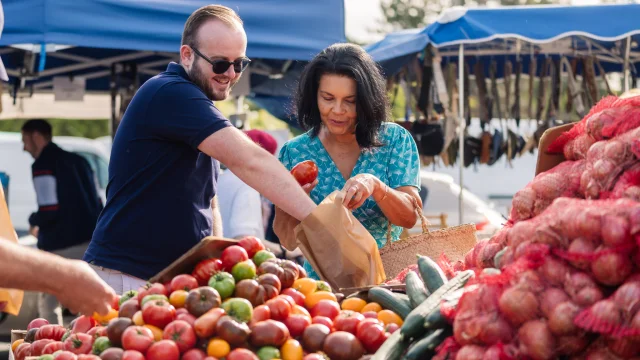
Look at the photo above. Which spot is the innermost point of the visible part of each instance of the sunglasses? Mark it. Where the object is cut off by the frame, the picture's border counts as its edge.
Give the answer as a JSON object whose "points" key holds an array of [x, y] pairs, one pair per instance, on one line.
{"points": [[220, 66]]}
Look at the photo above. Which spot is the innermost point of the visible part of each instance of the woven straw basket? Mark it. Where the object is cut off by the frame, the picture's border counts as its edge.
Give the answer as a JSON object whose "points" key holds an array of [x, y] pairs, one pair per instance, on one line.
{"points": [[454, 242]]}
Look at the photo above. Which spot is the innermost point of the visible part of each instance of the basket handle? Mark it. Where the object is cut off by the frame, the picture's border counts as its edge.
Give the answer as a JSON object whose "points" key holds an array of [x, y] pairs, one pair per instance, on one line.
{"points": [[423, 221]]}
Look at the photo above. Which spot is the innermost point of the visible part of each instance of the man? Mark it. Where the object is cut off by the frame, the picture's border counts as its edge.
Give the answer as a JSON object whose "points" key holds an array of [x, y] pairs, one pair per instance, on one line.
{"points": [[68, 201], [164, 161]]}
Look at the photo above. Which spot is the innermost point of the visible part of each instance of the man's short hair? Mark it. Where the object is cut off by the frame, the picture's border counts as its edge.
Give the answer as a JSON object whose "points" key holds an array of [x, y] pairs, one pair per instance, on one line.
{"points": [[40, 126], [205, 13]]}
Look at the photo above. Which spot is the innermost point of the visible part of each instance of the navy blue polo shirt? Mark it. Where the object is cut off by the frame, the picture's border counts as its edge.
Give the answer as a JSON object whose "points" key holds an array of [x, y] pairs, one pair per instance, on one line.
{"points": [[160, 186]]}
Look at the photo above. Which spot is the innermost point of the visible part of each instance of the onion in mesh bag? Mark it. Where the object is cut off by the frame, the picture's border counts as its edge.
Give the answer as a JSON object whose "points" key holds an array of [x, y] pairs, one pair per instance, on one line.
{"points": [[551, 298], [571, 344], [604, 317], [471, 352], [536, 340], [518, 305], [582, 289], [627, 185], [561, 318], [611, 267]]}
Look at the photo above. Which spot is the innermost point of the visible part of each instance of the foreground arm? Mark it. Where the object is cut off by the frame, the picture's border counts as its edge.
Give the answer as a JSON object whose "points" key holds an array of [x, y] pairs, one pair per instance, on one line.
{"points": [[72, 282], [258, 169]]}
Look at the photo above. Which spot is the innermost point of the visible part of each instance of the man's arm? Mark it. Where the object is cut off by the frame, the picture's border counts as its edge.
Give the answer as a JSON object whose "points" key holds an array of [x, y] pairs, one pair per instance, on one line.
{"points": [[217, 218], [73, 282], [258, 169]]}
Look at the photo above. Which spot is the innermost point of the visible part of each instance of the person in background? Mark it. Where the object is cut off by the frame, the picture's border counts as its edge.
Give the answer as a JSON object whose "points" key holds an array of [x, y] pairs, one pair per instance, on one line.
{"points": [[342, 102], [68, 201], [167, 152]]}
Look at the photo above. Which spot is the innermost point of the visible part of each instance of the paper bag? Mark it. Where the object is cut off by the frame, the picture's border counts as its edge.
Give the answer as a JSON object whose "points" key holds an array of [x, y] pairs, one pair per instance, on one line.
{"points": [[284, 227], [339, 248], [10, 299]]}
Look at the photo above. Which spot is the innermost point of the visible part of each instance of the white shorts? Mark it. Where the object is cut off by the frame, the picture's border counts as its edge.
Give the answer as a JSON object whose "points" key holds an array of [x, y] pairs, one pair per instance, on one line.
{"points": [[119, 281]]}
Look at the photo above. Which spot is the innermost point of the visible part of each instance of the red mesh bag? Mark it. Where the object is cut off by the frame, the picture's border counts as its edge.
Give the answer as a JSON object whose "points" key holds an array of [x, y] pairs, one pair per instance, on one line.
{"points": [[447, 350], [450, 269], [402, 275], [568, 138], [561, 181], [627, 185], [606, 160]]}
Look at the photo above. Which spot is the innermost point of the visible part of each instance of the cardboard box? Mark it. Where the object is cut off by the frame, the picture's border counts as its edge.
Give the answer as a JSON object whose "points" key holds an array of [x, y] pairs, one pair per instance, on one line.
{"points": [[207, 248], [546, 160], [17, 335]]}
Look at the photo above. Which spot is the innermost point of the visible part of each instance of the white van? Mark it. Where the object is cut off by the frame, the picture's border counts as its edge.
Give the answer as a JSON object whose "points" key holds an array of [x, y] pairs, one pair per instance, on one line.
{"points": [[17, 164]]}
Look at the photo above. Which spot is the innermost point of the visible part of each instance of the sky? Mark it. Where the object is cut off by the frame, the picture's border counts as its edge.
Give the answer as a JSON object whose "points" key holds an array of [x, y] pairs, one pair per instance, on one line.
{"points": [[362, 16]]}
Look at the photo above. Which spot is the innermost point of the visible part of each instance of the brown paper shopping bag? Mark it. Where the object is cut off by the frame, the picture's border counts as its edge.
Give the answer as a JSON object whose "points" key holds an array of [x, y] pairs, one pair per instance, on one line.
{"points": [[10, 299], [339, 248]]}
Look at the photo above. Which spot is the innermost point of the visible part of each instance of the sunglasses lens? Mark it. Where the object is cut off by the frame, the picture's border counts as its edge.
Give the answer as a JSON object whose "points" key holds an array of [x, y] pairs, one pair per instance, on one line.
{"points": [[220, 67]]}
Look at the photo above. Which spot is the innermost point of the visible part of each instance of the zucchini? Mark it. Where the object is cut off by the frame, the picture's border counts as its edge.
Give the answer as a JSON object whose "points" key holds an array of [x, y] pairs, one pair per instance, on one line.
{"points": [[404, 298], [391, 301], [425, 348], [413, 325], [497, 259], [435, 320], [415, 289], [392, 348], [432, 276]]}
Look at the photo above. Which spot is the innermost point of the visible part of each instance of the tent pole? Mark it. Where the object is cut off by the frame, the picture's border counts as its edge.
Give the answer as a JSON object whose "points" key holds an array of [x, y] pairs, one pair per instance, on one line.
{"points": [[627, 52], [461, 128]]}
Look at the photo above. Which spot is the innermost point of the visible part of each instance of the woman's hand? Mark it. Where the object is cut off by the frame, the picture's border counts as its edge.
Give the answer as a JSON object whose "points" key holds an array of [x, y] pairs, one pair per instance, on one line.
{"points": [[358, 189], [309, 187]]}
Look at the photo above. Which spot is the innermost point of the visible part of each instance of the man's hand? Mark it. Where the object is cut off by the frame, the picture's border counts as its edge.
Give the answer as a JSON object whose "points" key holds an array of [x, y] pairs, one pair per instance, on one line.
{"points": [[82, 291]]}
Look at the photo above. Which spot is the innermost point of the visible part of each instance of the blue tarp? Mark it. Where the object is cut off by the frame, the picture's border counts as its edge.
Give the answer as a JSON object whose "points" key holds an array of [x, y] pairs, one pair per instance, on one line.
{"points": [[537, 24], [276, 29]]}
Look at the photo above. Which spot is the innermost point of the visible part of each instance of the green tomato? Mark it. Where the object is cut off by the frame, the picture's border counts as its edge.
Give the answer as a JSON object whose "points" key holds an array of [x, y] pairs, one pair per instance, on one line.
{"points": [[101, 344], [153, 297], [268, 353], [323, 286], [238, 308], [244, 270], [224, 283], [262, 256], [46, 357], [127, 296]]}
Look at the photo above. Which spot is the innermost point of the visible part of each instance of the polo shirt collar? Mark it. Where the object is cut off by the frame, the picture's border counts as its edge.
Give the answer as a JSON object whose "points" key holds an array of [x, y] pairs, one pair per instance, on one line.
{"points": [[178, 69]]}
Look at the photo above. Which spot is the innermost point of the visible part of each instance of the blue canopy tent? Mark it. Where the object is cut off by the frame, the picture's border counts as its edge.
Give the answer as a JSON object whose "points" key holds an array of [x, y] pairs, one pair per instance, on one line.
{"points": [[397, 48], [86, 38]]}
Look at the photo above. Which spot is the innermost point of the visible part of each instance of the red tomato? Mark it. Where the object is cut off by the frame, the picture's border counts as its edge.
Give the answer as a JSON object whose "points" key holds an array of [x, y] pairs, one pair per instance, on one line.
{"points": [[364, 324], [323, 320], [38, 346], [206, 269], [280, 308], [391, 328], [194, 354], [158, 313], [296, 324], [66, 355], [53, 347], [137, 338], [79, 343], [233, 255], [348, 321], [260, 313], [288, 298], [186, 317], [151, 289], [131, 355], [296, 295], [372, 337], [327, 308], [163, 350], [181, 311], [305, 172], [184, 282], [252, 245], [53, 332], [370, 314], [98, 331], [181, 332], [115, 304], [23, 350], [88, 357], [36, 323], [83, 324], [241, 354]]}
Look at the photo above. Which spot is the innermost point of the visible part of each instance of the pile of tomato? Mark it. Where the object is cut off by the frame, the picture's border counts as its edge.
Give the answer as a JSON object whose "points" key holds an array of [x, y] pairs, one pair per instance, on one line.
{"points": [[246, 305]]}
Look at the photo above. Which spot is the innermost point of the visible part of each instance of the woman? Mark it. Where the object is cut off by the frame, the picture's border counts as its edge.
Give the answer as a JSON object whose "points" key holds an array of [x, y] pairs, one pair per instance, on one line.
{"points": [[341, 100]]}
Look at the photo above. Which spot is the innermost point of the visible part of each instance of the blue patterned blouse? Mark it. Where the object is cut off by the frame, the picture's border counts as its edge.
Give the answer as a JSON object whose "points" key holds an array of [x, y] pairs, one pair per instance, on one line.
{"points": [[396, 163]]}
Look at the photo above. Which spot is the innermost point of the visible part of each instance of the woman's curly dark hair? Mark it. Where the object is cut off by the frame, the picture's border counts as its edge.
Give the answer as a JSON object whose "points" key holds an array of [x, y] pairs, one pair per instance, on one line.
{"points": [[372, 103]]}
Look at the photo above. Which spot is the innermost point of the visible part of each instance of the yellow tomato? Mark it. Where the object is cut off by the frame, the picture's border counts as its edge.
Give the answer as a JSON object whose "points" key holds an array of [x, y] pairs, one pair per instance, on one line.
{"points": [[353, 304], [104, 320], [291, 350], [312, 299], [389, 317], [305, 285], [15, 344], [372, 306], [178, 298], [218, 348], [157, 332], [137, 318], [322, 286]]}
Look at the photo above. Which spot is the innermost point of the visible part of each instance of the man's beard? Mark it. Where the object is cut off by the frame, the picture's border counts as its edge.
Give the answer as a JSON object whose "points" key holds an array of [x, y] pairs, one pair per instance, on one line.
{"points": [[197, 76]]}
